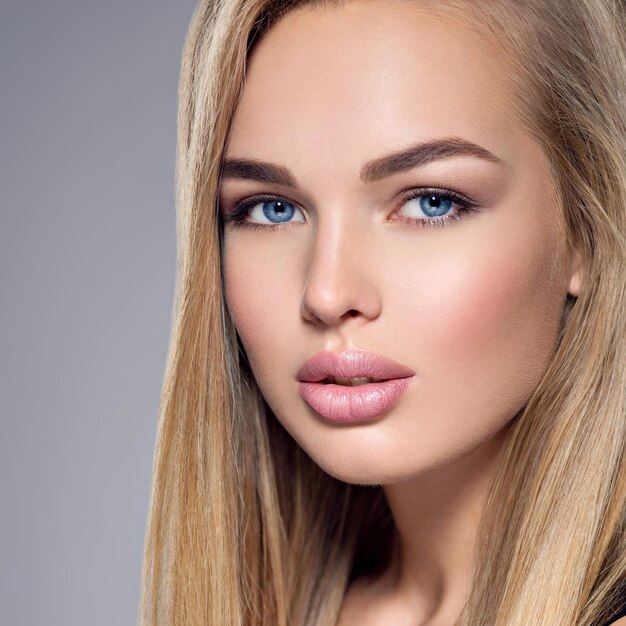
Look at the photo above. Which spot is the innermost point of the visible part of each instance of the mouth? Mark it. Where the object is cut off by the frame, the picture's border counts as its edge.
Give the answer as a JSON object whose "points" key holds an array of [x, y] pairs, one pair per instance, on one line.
{"points": [[352, 386]]}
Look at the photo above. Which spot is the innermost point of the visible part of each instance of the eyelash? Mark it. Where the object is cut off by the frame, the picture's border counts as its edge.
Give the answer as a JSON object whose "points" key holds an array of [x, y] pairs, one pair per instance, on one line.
{"points": [[466, 206]]}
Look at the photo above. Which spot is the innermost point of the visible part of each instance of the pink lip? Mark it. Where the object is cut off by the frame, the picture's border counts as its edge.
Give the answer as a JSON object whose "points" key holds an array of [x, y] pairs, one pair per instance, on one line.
{"points": [[344, 403]]}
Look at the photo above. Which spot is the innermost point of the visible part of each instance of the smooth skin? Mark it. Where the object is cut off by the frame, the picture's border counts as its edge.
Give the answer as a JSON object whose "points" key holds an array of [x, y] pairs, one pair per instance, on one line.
{"points": [[473, 306]]}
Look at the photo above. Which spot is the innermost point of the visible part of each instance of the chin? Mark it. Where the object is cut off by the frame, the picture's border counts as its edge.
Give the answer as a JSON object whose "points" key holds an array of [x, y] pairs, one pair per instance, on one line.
{"points": [[372, 474]]}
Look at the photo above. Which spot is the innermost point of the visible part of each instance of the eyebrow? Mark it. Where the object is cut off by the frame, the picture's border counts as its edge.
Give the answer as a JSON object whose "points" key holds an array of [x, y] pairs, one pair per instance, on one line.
{"points": [[374, 170]]}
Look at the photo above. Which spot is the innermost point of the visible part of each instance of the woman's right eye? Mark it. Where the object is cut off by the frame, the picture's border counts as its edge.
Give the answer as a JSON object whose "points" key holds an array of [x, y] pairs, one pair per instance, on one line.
{"points": [[263, 213]]}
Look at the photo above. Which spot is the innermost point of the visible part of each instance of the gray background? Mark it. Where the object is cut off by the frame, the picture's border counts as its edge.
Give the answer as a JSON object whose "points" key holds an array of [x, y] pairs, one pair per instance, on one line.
{"points": [[87, 263]]}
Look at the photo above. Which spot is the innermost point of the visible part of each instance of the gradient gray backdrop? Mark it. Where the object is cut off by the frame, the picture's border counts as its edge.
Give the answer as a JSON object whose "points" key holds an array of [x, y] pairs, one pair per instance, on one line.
{"points": [[87, 261]]}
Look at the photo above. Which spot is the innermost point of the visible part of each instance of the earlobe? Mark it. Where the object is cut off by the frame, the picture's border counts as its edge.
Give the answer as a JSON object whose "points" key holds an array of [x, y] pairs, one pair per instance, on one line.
{"points": [[575, 274]]}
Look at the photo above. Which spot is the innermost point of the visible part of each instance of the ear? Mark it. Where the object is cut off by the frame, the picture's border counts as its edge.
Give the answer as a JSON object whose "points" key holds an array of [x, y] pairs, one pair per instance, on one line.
{"points": [[575, 273]]}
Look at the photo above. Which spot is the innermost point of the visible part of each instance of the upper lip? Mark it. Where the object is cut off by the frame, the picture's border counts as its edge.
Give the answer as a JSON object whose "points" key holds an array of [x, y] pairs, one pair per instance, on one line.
{"points": [[351, 363]]}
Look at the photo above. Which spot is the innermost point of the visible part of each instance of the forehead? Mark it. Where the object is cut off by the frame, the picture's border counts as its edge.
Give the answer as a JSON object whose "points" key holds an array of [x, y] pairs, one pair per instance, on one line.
{"points": [[348, 83]]}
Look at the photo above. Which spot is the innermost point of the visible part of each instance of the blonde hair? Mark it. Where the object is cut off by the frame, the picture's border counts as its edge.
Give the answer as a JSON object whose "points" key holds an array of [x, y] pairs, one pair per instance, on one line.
{"points": [[244, 529]]}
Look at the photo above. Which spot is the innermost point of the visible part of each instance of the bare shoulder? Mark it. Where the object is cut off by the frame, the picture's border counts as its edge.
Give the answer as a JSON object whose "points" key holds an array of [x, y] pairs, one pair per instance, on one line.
{"points": [[620, 622]]}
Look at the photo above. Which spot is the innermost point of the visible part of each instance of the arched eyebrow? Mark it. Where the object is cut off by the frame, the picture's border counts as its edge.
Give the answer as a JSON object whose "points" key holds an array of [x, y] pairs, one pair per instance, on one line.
{"points": [[381, 167]]}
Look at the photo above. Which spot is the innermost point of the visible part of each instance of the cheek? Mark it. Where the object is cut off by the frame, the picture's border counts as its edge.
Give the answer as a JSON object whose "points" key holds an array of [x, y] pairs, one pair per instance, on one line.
{"points": [[258, 296], [488, 322]]}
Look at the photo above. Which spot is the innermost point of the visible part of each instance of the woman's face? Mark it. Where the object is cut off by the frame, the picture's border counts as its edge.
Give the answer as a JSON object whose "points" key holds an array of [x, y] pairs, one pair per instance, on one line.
{"points": [[339, 253]]}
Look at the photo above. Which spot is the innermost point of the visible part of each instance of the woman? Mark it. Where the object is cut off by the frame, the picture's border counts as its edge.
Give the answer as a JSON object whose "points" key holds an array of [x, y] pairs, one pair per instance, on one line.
{"points": [[396, 386]]}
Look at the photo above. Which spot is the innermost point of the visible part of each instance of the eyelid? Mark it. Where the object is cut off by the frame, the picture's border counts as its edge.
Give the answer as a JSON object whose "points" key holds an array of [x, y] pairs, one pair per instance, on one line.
{"points": [[414, 192]]}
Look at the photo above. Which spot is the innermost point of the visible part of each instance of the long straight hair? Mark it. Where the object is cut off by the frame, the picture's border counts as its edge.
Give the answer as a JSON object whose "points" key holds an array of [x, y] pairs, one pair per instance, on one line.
{"points": [[244, 529]]}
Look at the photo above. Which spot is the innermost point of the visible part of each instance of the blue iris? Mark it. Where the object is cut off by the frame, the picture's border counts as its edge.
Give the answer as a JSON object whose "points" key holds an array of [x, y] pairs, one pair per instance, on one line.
{"points": [[434, 204], [278, 211]]}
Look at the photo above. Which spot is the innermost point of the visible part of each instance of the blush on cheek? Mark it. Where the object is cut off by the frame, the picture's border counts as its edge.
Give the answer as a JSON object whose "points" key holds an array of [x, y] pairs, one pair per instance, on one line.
{"points": [[494, 306]]}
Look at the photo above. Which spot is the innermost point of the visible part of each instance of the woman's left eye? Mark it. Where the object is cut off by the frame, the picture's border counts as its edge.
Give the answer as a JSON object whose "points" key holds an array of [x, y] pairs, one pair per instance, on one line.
{"points": [[434, 207]]}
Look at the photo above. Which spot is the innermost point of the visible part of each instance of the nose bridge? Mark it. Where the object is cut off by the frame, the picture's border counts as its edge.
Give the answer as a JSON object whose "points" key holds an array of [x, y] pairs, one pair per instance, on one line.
{"points": [[338, 277]]}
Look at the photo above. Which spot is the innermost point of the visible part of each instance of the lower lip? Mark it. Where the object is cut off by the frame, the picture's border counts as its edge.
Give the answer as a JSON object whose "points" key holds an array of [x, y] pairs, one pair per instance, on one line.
{"points": [[341, 403]]}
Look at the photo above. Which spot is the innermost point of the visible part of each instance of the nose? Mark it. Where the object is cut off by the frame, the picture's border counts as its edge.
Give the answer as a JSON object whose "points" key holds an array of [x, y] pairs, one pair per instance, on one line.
{"points": [[340, 277]]}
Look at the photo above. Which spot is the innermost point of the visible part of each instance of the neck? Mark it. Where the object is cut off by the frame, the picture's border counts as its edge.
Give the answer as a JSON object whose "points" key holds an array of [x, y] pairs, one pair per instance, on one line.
{"points": [[436, 516]]}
